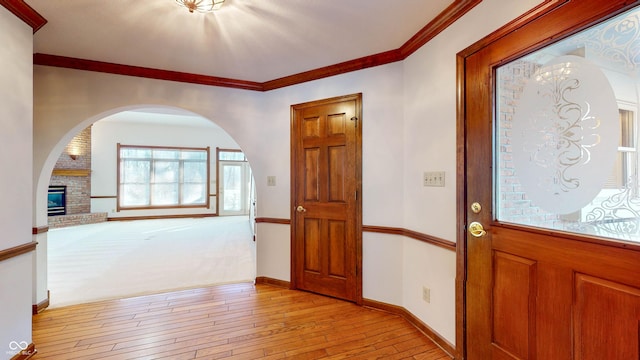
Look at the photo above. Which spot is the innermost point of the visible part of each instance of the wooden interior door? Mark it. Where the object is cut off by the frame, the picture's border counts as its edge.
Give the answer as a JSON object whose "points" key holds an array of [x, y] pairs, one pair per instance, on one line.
{"points": [[535, 292], [326, 197]]}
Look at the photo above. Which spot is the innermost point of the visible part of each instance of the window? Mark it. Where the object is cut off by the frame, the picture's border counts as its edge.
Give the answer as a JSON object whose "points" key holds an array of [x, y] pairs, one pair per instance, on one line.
{"points": [[231, 155], [162, 177], [236, 182], [625, 169]]}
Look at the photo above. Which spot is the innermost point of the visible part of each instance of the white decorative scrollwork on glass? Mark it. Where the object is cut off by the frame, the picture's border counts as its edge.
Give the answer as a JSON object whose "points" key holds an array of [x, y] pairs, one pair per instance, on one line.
{"points": [[619, 214], [564, 134], [616, 41], [567, 149]]}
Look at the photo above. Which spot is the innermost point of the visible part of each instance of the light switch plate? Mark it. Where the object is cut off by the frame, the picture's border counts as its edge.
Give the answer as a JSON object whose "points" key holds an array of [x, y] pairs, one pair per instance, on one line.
{"points": [[433, 178], [426, 294]]}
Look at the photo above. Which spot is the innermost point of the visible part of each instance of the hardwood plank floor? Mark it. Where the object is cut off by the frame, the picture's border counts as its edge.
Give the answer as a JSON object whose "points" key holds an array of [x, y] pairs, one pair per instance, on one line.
{"points": [[236, 321]]}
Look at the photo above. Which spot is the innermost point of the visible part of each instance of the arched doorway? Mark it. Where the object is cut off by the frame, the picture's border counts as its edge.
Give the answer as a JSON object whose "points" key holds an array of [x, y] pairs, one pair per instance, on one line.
{"points": [[161, 129]]}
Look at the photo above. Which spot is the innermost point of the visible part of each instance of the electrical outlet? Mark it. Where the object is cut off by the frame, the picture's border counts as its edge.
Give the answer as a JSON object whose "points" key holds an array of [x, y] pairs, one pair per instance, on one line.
{"points": [[433, 178], [426, 294], [271, 181]]}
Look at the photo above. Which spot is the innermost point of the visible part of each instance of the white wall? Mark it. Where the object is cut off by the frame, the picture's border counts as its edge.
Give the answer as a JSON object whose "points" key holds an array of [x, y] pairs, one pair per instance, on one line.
{"points": [[430, 107], [409, 124], [16, 88], [430, 145], [105, 135]]}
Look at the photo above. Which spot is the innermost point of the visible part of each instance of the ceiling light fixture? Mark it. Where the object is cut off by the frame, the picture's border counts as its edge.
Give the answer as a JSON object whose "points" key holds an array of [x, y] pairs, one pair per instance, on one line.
{"points": [[202, 6]]}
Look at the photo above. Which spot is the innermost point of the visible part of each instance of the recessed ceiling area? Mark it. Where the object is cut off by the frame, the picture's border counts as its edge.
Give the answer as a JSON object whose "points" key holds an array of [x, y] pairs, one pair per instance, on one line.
{"points": [[245, 40]]}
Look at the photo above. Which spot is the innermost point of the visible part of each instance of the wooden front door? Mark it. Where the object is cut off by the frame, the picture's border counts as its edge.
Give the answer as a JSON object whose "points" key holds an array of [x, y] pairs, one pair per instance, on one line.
{"points": [[552, 260], [326, 197]]}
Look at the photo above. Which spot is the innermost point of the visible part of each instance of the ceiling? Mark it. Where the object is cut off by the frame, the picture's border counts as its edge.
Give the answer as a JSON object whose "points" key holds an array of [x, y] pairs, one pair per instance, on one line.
{"points": [[252, 40]]}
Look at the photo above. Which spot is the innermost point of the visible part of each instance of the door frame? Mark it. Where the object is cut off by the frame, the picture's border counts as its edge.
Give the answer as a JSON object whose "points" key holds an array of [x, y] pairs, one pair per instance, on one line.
{"points": [[358, 204], [462, 175]]}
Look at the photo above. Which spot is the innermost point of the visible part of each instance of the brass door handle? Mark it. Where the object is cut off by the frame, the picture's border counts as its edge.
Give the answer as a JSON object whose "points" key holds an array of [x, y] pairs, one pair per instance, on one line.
{"points": [[301, 209], [476, 229]]}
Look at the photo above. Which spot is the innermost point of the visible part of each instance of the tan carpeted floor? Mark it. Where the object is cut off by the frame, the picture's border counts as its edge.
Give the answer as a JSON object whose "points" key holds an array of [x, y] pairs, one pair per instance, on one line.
{"points": [[129, 258]]}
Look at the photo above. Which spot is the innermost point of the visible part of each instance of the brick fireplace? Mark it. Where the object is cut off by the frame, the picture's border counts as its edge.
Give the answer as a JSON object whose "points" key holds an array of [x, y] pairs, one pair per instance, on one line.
{"points": [[73, 173]]}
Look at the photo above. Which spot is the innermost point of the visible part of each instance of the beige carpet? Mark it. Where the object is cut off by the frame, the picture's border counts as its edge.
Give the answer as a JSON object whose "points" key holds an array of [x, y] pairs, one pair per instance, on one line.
{"points": [[129, 258]]}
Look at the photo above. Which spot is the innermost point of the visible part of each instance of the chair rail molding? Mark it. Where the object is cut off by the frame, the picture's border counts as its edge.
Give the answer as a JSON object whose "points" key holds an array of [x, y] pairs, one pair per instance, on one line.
{"points": [[17, 250]]}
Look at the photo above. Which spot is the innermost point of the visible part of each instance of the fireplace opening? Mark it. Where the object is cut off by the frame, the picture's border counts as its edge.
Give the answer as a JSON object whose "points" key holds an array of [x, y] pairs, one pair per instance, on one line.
{"points": [[57, 200]]}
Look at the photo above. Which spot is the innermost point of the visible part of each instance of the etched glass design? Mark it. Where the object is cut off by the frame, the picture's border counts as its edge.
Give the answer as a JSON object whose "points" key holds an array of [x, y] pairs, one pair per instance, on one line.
{"points": [[566, 133]]}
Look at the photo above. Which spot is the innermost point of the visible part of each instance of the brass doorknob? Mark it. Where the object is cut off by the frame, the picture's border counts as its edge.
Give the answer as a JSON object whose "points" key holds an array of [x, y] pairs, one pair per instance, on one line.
{"points": [[476, 229], [301, 209]]}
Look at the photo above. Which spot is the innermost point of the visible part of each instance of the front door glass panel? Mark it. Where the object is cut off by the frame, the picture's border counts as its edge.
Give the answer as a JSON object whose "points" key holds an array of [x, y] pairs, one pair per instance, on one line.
{"points": [[566, 133]]}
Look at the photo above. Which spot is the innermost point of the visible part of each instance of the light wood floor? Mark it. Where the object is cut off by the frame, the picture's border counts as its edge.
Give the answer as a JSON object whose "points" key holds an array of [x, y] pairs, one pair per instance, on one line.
{"points": [[239, 321]]}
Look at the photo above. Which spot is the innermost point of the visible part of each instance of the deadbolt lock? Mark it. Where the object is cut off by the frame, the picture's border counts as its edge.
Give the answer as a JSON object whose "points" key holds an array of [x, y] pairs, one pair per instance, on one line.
{"points": [[476, 207]]}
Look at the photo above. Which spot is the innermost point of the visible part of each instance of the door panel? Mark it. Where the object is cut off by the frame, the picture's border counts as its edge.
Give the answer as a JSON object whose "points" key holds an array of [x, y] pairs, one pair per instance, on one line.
{"points": [[337, 249], [514, 293], [311, 245], [337, 163], [558, 278], [311, 174], [326, 209], [600, 332]]}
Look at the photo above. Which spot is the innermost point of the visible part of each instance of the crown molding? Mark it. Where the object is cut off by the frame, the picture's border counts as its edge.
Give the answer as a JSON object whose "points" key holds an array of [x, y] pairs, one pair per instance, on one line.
{"points": [[25, 13], [332, 70], [447, 17], [143, 72]]}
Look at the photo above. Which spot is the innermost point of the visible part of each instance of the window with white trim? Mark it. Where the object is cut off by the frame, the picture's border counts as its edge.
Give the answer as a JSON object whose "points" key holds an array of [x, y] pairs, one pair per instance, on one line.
{"points": [[626, 168], [162, 177]]}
